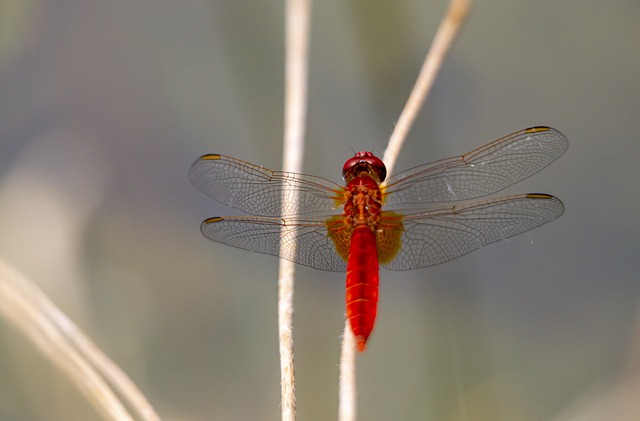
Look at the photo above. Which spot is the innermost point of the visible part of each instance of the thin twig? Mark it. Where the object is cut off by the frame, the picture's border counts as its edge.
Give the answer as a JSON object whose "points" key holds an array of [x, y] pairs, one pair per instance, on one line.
{"points": [[446, 34], [122, 384], [297, 35], [29, 309], [347, 405]]}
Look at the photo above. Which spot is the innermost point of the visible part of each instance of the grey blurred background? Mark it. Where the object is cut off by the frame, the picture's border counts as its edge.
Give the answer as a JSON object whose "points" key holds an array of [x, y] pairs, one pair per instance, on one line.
{"points": [[105, 105]]}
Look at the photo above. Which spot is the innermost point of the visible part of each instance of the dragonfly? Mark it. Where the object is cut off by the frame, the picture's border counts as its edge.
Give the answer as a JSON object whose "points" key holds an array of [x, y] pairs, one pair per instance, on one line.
{"points": [[416, 218]]}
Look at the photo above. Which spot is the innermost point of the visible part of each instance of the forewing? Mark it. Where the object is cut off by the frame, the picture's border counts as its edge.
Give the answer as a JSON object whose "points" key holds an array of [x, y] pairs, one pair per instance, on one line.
{"points": [[438, 235], [258, 191], [480, 172], [277, 237]]}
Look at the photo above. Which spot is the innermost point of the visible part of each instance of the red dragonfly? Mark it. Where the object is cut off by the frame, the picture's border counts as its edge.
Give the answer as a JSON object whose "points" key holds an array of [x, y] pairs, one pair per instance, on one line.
{"points": [[337, 228]]}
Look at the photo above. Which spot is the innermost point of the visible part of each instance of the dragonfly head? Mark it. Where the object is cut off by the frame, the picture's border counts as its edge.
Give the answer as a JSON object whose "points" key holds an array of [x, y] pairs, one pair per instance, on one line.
{"points": [[365, 162]]}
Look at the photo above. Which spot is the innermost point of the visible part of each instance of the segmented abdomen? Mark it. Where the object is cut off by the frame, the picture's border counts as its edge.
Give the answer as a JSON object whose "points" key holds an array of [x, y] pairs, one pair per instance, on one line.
{"points": [[362, 283]]}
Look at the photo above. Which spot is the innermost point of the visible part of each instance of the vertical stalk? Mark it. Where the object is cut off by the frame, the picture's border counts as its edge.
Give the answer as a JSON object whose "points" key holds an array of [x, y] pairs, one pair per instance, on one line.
{"points": [[446, 34], [297, 36]]}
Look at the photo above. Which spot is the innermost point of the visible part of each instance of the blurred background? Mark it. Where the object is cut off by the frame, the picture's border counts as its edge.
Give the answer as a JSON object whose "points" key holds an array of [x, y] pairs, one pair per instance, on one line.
{"points": [[105, 105]]}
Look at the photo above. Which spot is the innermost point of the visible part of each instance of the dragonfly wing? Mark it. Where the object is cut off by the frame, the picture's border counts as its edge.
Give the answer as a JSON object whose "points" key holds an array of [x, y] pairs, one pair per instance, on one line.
{"points": [[258, 191], [278, 237], [480, 172], [438, 235]]}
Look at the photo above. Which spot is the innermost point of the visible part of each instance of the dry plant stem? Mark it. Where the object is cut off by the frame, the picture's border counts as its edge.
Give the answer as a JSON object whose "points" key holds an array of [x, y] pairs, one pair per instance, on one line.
{"points": [[347, 401], [61, 341], [297, 35], [113, 374], [446, 34]]}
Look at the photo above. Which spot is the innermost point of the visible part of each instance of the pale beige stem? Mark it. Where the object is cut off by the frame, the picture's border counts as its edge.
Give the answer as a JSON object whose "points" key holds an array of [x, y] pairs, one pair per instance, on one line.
{"points": [[297, 36], [446, 34], [442, 42], [348, 393], [60, 340]]}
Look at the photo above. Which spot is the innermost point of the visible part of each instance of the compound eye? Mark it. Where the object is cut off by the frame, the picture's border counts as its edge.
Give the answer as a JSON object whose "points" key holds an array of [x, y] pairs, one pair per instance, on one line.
{"points": [[364, 161]]}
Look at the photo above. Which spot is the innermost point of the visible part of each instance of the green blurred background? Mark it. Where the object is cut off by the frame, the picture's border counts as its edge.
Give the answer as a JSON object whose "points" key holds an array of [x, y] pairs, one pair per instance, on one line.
{"points": [[105, 105]]}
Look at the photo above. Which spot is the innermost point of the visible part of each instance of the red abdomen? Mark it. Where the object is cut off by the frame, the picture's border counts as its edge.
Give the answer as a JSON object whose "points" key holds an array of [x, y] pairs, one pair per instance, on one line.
{"points": [[362, 283]]}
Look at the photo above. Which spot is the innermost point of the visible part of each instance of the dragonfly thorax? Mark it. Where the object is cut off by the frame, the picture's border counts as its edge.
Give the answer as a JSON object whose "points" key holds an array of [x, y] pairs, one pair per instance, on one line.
{"points": [[364, 200]]}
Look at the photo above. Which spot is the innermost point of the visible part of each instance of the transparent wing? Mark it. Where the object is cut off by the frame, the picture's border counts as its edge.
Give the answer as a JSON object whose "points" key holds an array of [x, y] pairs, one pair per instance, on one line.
{"points": [[480, 172], [276, 236], [437, 235], [258, 191]]}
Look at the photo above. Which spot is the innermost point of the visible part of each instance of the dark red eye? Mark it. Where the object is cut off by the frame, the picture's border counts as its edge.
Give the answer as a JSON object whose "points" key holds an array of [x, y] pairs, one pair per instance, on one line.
{"points": [[364, 161]]}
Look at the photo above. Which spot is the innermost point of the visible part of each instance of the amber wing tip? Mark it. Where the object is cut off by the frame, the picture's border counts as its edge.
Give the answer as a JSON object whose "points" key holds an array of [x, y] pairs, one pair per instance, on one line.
{"points": [[536, 129], [210, 157], [539, 196]]}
